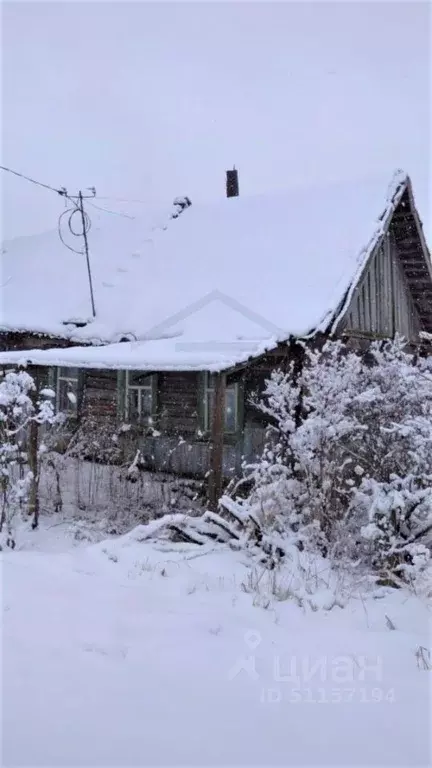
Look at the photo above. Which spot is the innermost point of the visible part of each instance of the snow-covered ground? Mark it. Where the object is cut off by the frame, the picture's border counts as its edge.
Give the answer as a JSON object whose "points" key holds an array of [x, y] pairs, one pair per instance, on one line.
{"points": [[128, 652]]}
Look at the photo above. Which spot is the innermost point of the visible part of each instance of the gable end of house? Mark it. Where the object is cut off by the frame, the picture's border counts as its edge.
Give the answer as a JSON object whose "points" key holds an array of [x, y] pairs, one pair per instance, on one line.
{"points": [[393, 293]]}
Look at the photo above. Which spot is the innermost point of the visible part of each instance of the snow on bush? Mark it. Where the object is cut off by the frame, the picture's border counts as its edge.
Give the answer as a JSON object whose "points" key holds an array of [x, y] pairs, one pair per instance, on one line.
{"points": [[347, 467], [399, 527], [20, 405]]}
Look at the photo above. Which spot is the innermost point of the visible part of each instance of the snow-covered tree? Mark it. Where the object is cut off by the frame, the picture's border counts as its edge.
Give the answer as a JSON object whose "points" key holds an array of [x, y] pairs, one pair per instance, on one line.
{"points": [[393, 503], [299, 482], [348, 460], [394, 403], [20, 407]]}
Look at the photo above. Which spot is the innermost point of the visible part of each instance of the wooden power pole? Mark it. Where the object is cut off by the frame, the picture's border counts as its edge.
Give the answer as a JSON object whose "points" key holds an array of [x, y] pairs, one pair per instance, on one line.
{"points": [[216, 443], [84, 234]]}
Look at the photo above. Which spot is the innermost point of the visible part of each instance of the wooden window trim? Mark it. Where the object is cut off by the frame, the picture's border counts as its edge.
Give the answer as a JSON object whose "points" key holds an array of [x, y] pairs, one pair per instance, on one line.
{"points": [[76, 387], [204, 390], [123, 388]]}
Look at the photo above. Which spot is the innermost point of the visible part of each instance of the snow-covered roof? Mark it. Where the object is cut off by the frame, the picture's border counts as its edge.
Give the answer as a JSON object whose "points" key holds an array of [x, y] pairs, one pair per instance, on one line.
{"points": [[156, 355], [246, 270]]}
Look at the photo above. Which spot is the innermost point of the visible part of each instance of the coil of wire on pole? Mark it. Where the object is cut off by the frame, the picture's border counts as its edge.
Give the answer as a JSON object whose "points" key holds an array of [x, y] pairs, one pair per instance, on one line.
{"points": [[67, 218]]}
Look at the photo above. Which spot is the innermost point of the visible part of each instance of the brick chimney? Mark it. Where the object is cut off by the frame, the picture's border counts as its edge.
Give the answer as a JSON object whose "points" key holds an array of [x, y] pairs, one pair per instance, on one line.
{"points": [[232, 183]]}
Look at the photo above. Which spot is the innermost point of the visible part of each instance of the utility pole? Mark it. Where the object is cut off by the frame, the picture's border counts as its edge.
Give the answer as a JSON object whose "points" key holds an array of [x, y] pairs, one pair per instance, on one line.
{"points": [[84, 232], [78, 207], [78, 203], [216, 444]]}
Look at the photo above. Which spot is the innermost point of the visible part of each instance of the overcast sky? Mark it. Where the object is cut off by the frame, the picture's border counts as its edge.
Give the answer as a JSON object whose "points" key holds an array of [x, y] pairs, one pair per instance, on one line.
{"points": [[153, 100]]}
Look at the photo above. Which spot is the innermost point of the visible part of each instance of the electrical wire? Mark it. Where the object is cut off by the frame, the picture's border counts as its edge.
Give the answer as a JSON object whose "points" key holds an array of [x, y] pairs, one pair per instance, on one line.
{"points": [[121, 200], [70, 213], [62, 215], [76, 208], [106, 210], [61, 191]]}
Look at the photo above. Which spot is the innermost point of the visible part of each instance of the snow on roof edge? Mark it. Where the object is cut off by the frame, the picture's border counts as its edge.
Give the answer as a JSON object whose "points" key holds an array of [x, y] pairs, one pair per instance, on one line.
{"points": [[100, 358], [396, 189]]}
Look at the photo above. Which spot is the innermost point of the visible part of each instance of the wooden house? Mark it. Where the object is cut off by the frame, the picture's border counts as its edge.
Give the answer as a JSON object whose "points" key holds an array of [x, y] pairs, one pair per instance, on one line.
{"points": [[193, 312]]}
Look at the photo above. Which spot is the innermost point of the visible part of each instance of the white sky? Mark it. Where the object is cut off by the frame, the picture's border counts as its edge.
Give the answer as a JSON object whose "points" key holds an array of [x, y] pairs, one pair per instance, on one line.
{"points": [[153, 100]]}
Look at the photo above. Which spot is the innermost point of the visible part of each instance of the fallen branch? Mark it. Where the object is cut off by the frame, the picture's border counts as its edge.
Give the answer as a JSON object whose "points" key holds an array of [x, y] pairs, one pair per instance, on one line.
{"points": [[186, 536], [216, 519]]}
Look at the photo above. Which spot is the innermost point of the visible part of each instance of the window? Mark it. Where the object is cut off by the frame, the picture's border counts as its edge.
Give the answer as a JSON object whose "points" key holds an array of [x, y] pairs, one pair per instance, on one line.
{"points": [[139, 397], [67, 391], [231, 405]]}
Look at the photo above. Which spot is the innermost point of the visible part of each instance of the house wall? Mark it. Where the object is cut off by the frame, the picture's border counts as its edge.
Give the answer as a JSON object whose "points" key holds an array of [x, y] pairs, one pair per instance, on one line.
{"points": [[10, 341], [179, 446], [177, 403], [176, 407], [181, 450], [99, 395], [382, 303]]}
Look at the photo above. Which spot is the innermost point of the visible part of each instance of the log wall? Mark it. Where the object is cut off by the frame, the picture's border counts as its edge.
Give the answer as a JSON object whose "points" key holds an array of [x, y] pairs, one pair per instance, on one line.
{"points": [[179, 448]]}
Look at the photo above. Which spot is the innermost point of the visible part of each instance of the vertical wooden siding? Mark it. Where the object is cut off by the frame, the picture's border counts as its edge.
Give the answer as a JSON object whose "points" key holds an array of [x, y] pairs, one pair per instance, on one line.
{"points": [[382, 302]]}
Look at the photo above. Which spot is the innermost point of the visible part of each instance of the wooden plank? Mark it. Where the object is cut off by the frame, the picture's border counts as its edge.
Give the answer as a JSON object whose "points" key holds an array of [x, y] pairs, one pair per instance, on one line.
{"points": [[352, 320], [412, 258], [402, 304], [359, 311], [378, 285], [387, 291], [33, 450], [364, 294], [216, 443], [369, 301], [356, 334], [365, 306], [373, 295], [407, 278], [396, 297], [377, 290]]}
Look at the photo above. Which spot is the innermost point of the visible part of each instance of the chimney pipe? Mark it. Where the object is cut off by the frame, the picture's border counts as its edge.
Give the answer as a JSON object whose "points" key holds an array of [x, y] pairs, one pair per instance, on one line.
{"points": [[232, 183]]}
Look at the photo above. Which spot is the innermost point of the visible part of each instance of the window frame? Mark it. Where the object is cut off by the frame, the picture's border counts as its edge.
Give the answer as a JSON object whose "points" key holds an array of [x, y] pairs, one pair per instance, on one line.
{"points": [[207, 389], [75, 381], [150, 387]]}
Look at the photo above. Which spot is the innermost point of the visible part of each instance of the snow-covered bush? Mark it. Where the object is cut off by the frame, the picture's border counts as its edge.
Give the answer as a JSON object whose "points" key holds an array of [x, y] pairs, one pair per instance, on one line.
{"points": [[393, 503], [347, 466], [394, 405], [20, 407], [298, 485], [398, 534]]}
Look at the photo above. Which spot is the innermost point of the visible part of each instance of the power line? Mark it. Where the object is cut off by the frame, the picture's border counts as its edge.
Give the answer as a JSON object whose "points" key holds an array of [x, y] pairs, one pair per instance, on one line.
{"points": [[77, 202], [122, 200], [115, 213], [61, 191]]}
